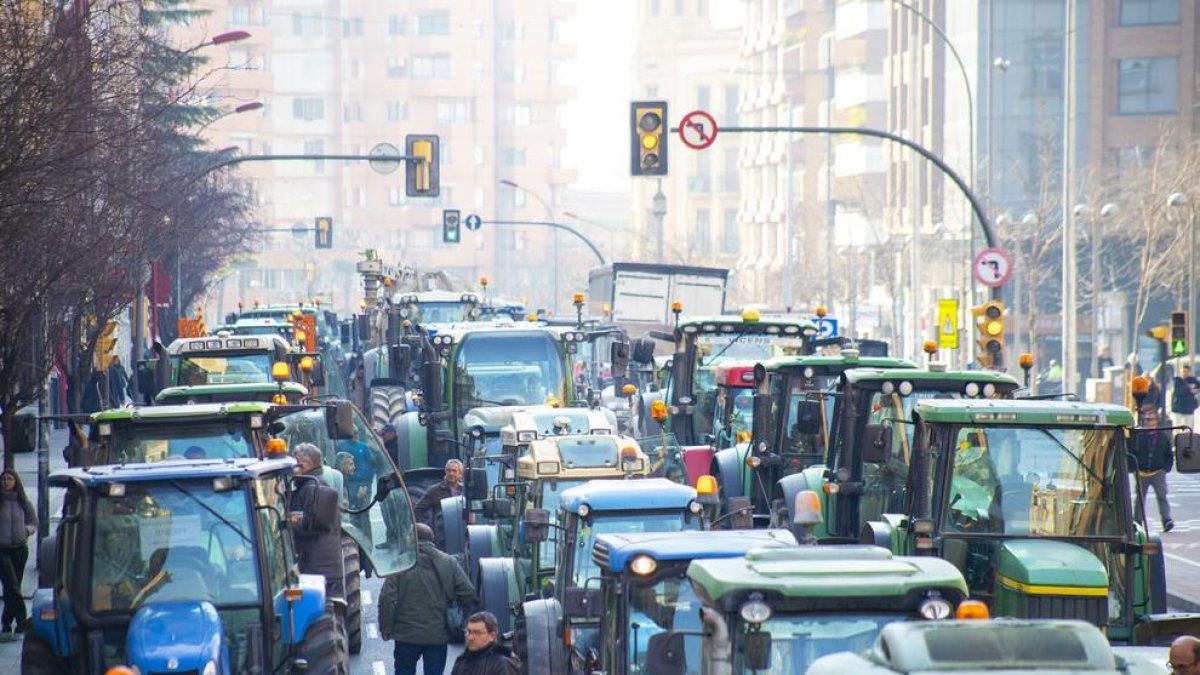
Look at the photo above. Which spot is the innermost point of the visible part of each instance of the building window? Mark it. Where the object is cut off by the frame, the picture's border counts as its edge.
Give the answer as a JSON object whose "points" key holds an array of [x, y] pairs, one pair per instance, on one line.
{"points": [[652, 91], [703, 231], [352, 27], [479, 155], [239, 15], [435, 66], [730, 118], [655, 7], [1148, 86], [352, 111], [517, 114], [511, 31], [1145, 12], [513, 73], [453, 110], [703, 97], [397, 111], [308, 109], [312, 25], [316, 147], [433, 23], [513, 157], [395, 195], [395, 24], [729, 232], [445, 151], [1045, 74], [397, 67]]}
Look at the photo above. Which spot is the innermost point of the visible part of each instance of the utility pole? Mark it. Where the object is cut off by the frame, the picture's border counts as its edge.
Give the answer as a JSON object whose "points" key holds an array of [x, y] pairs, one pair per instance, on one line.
{"points": [[1069, 273], [658, 210]]}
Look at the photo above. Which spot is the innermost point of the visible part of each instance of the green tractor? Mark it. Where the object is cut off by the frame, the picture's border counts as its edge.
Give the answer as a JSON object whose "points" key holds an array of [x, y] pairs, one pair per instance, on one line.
{"points": [[230, 431], [1031, 500]]}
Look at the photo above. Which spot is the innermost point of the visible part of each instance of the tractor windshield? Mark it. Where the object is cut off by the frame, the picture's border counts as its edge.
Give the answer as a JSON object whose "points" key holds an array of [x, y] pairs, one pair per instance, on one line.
{"points": [[444, 312], [223, 368], [179, 540], [799, 639], [135, 443], [667, 605], [551, 497], [1034, 481], [621, 522], [812, 447], [505, 368], [712, 350]]}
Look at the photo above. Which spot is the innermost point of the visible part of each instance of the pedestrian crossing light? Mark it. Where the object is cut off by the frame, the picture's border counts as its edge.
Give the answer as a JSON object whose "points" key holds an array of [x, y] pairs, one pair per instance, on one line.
{"points": [[323, 232], [422, 176], [989, 328], [1179, 334], [451, 226], [648, 138]]}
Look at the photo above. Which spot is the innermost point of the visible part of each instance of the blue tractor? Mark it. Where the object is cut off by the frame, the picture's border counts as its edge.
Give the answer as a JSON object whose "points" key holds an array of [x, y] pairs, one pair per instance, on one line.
{"points": [[184, 566]]}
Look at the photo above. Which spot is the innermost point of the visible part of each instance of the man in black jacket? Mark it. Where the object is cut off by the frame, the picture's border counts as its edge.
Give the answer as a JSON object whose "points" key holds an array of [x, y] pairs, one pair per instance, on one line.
{"points": [[1152, 460], [430, 505], [485, 655]]}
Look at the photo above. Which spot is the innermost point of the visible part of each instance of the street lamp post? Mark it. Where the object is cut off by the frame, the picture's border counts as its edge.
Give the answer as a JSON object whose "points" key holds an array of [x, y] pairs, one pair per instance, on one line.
{"points": [[1178, 199], [549, 217], [1107, 211], [658, 209], [245, 107]]}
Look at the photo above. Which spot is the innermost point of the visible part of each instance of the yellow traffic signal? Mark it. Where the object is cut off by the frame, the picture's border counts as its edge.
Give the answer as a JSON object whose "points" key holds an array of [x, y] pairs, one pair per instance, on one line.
{"points": [[648, 138], [989, 328], [106, 346], [422, 176]]}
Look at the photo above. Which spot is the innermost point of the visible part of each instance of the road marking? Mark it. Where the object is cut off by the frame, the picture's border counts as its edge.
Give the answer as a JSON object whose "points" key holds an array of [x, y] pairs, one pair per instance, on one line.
{"points": [[366, 597], [1181, 559], [378, 668], [372, 631]]}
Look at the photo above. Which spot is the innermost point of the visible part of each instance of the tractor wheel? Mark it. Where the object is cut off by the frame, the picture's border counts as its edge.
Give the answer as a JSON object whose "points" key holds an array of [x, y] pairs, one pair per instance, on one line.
{"points": [[497, 590], [387, 404], [353, 588], [38, 658], [324, 647]]}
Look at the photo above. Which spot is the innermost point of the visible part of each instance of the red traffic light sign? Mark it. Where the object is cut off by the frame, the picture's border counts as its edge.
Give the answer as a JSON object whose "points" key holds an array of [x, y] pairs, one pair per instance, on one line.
{"points": [[698, 130]]}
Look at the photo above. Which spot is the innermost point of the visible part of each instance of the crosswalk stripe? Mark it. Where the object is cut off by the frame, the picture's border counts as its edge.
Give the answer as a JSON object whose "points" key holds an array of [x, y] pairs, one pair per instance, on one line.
{"points": [[378, 668], [366, 597], [372, 631]]}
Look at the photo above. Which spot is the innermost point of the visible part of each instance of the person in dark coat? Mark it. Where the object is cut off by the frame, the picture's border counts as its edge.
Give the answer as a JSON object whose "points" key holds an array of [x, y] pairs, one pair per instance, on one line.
{"points": [[18, 522], [1153, 459], [391, 443], [413, 604], [430, 505], [318, 539], [484, 654], [1183, 397]]}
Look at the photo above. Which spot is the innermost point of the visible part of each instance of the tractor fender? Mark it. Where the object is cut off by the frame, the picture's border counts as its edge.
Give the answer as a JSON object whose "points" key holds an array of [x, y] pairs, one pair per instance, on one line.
{"points": [[308, 608], [545, 653], [412, 441], [184, 635], [727, 469], [55, 632], [454, 525], [483, 541], [498, 590], [878, 533]]}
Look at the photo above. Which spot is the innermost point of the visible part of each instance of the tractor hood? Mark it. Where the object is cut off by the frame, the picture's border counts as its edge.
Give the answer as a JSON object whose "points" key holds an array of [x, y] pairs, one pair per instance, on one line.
{"points": [[1045, 567], [176, 637]]}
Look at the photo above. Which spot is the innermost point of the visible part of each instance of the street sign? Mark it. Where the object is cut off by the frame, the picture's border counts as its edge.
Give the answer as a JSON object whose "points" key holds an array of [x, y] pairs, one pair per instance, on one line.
{"points": [[698, 130], [827, 327], [992, 267], [948, 323], [299, 230], [473, 222], [388, 155]]}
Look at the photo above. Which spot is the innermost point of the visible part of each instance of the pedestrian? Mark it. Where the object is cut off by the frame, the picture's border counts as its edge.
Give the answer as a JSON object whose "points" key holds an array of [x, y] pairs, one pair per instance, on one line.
{"points": [[310, 462], [430, 504], [18, 522], [118, 383], [318, 541], [413, 605], [1152, 459], [391, 443], [1053, 379], [1104, 360], [1183, 397], [1185, 656], [484, 654]]}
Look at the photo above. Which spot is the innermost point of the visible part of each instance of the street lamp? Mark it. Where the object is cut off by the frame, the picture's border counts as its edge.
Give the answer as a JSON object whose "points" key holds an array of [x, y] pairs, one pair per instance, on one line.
{"points": [[1176, 200], [550, 218], [245, 107]]}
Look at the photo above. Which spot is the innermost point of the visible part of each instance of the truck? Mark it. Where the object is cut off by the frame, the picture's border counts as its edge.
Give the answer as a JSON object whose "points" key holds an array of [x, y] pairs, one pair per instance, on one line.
{"points": [[645, 591], [640, 296], [778, 610], [1030, 499], [181, 566]]}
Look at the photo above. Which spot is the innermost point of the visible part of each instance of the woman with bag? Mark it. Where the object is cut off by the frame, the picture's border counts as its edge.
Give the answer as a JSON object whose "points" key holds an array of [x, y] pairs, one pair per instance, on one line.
{"points": [[419, 624], [18, 522]]}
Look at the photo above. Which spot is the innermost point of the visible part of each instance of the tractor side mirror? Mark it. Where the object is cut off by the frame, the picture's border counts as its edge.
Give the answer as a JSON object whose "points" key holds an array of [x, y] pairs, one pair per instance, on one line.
{"points": [[665, 654], [808, 417], [758, 650], [476, 484], [339, 420], [317, 376], [619, 356], [661, 335], [495, 509], [876, 443], [362, 323], [345, 334], [537, 525], [1187, 452], [583, 603], [642, 351], [399, 361]]}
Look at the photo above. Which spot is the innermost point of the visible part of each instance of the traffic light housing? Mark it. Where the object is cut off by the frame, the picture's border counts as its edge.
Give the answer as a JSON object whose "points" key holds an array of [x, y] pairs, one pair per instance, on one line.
{"points": [[451, 226], [422, 176], [1179, 334], [323, 232], [648, 138], [990, 330], [106, 346]]}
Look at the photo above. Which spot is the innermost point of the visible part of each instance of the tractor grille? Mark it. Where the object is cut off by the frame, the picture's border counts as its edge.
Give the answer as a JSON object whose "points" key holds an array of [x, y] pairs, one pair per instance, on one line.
{"points": [[600, 554], [1093, 609]]}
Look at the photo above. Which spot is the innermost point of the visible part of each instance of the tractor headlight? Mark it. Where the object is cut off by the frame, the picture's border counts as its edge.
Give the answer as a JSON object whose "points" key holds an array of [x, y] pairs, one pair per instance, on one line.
{"points": [[695, 506], [584, 510], [643, 565], [989, 390], [755, 611], [935, 609], [972, 389]]}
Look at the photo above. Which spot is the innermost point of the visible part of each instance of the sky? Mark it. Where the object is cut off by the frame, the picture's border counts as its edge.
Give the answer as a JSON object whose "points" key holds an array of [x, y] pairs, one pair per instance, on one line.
{"points": [[597, 119]]}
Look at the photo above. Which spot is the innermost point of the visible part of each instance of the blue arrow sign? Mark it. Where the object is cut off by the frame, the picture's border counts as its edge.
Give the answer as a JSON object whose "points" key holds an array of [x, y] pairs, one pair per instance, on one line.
{"points": [[827, 327], [473, 222]]}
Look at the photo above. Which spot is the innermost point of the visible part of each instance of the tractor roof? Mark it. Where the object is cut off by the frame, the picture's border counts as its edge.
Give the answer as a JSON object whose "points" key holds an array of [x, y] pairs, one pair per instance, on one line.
{"points": [[814, 576], [614, 551], [545, 421], [594, 456], [243, 391], [232, 343], [644, 494], [171, 469], [932, 379], [834, 364], [733, 324], [438, 296], [1025, 411], [162, 413]]}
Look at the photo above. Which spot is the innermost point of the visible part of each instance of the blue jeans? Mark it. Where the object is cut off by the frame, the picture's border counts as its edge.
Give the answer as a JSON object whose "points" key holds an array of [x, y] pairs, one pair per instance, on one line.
{"points": [[432, 657]]}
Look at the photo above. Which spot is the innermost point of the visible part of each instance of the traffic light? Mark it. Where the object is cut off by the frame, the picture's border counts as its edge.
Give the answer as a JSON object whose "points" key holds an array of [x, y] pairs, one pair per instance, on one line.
{"points": [[451, 226], [648, 138], [323, 232], [989, 328], [1179, 334], [421, 174], [106, 346]]}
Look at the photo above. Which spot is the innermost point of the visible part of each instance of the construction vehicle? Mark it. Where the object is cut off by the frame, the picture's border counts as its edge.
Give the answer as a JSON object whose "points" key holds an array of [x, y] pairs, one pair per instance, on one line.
{"points": [[644, 590], [181, 567], [778, 610], [230, 431], [1031, 500]]}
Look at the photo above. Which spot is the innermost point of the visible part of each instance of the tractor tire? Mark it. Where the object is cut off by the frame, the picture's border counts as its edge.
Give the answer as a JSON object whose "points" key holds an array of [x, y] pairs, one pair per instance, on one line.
{"points": [[497, 590], [387, 404], [324, 647], [353, 586], [38, 658], [543, 647]]}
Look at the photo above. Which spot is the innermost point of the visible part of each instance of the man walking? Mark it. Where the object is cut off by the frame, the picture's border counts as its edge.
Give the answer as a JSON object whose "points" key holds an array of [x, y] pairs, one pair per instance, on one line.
{"points": [[1183, 397], [430, 505], [1185, 656], [413, 604], [484, 654], [1153, 460]]}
